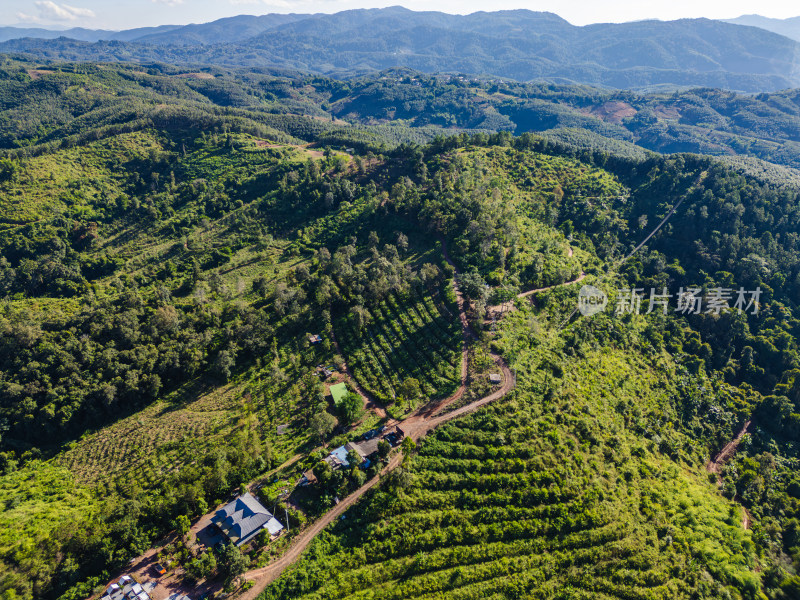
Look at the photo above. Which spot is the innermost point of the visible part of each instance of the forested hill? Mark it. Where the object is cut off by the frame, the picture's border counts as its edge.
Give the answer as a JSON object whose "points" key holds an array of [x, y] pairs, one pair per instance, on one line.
{"points": [[520, 44], [173, 241], [41, 103]]}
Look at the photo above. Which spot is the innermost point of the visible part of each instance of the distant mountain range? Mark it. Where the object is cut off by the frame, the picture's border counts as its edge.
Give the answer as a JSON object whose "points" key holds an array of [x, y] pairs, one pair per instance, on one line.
{"points": [[787, 27], [519, 44], [232, 29], [84, 35]]}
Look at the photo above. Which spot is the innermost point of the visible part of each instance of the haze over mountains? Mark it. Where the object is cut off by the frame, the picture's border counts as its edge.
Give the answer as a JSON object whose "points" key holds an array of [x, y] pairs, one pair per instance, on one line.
{"points": [[786, 27], [519, 44]]}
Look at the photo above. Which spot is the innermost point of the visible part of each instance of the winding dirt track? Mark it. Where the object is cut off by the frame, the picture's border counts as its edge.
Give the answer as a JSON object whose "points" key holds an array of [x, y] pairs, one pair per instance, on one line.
{"points": [[727, 452], [715, 466], [499, 309], [416, 426], [578, 279]]}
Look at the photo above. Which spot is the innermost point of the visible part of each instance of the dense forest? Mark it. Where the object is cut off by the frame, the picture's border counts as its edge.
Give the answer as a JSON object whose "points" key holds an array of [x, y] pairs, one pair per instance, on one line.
{"points": [[172, 241], [42, 104]]}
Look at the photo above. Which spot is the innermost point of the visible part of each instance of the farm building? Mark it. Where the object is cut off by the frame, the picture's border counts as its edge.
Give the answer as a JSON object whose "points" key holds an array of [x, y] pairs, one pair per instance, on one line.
{"points": [[242, 519], [126, 589], [308, 478], [365, 449], [338, 458], [338, 391], [495, 378]]}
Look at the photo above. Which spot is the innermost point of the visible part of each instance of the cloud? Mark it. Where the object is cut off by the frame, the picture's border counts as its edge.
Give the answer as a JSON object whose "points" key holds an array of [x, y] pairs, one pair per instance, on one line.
{"points": [[27, 18], [50, 11]]}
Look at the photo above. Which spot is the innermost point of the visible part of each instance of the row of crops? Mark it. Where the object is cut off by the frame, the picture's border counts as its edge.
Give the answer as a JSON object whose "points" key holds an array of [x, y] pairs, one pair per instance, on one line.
{"points": [[538, 498], [470, 526], [149, 452], [406, 338]]}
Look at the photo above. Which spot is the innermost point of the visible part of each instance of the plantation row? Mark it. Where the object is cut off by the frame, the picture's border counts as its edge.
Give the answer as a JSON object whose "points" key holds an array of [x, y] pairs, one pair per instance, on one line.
{"points": [[148, 458], [409, 339], [120, 447], [487, 529]]}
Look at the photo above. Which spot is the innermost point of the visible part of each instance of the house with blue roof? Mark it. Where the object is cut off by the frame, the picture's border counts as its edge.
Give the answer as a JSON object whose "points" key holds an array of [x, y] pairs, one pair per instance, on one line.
{"points": [[242, 519], [338, 458]]}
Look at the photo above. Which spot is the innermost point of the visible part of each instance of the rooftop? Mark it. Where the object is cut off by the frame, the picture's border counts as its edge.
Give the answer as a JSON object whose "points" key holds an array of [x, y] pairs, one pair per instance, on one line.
{"points": [[340, 455], [243, 518], [365, 448]]}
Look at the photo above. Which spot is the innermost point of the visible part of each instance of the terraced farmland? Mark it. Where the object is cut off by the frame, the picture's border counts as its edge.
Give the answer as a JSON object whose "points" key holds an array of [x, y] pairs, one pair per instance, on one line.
{"points": [[415, 338], [166, 437], [152, 442], [536, 499]]}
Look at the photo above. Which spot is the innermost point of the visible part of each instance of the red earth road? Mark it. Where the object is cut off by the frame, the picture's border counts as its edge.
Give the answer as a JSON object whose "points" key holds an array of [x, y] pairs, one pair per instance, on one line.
{"points": [[416, 427]]}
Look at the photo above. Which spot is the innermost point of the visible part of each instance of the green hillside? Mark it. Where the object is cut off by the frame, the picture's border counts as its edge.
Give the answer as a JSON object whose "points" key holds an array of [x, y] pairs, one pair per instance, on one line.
{"points": [[172, 245], [551, 494]]}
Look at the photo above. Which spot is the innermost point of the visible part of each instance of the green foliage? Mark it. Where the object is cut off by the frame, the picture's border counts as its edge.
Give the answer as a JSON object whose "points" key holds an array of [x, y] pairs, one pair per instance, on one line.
{"points": [[351, 408], [531, 484], [182, 524], [232, 562], [202, 566], [166, 251], [323, 423]]}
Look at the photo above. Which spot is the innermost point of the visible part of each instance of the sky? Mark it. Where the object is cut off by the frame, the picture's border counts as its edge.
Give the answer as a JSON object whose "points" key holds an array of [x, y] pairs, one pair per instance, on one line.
{"points": [[127, 14]]}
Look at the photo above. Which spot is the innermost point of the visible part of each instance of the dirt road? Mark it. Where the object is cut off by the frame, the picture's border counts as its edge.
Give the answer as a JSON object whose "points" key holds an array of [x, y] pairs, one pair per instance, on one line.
{"points": [[266, 575], [417, 426], [498, 310], [724, 455]]}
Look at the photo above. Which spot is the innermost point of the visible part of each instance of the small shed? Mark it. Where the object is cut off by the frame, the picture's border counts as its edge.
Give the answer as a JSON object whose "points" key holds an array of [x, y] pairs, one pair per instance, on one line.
{"points": [[315, 339], [495, 379], [308, 478]]}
